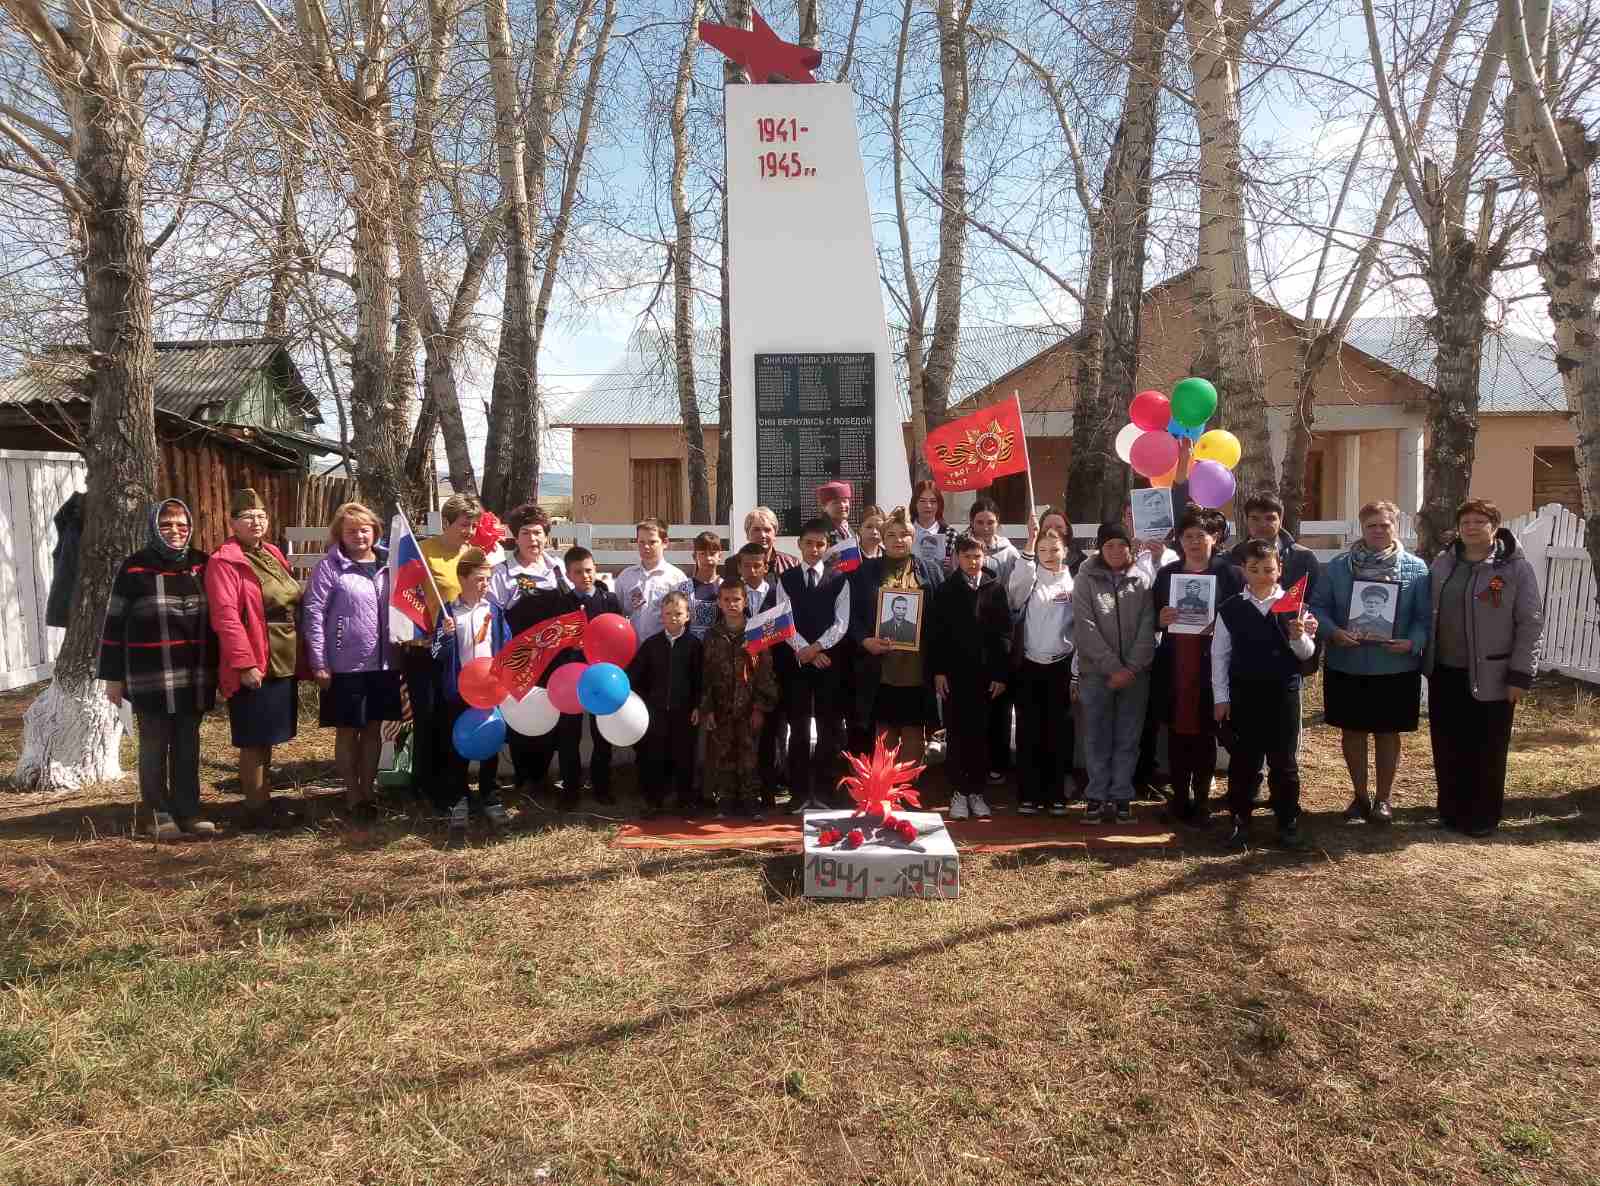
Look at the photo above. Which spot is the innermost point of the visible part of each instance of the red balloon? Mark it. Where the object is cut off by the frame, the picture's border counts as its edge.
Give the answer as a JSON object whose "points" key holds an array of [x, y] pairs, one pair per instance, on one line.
{"points": [[563, 687], [479, 686], [1153, 453], [1152, 412], [610, 639]]}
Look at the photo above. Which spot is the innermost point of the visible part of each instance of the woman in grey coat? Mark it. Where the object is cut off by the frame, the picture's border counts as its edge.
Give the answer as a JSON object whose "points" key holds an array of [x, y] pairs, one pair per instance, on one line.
{"points": [[1488, 625]]}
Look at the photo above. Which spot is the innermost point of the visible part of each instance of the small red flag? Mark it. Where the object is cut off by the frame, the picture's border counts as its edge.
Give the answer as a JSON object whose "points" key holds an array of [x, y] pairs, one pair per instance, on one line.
{"points": [[524, 659], [971, 452], [1293, 601]]}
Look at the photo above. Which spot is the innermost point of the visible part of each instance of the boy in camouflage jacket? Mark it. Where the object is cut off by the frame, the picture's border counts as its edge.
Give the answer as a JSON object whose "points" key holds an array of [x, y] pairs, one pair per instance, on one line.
{"points": [[740, 689]]}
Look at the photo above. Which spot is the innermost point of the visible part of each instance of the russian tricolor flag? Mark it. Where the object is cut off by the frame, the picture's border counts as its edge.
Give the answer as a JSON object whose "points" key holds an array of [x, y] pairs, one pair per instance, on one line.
{"points": [[844, 556], [770, 628], [413, 599]]}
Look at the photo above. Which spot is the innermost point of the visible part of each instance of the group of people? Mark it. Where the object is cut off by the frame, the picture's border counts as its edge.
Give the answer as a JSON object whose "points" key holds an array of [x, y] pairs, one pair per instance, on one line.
{"points": [[1122, 647]]}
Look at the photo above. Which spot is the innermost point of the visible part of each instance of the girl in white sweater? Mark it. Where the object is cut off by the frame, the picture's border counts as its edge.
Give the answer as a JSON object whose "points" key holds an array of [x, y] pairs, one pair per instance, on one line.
{"points": [[1040, 592]]}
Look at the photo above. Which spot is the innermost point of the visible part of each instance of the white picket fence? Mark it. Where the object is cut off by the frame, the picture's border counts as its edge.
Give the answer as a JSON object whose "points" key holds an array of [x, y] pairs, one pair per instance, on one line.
{"points": [[32, 488], [1553, 538]]}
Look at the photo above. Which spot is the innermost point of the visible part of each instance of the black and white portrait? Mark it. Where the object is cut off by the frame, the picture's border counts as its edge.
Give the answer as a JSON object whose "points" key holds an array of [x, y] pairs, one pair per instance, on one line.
{"points": [[1194, 596], [1152, 512], [1373, 606], [900, 618]]}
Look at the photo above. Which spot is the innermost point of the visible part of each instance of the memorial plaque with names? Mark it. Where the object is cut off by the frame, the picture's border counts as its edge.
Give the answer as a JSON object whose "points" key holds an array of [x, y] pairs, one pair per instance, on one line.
{"points": [[814, 422]]}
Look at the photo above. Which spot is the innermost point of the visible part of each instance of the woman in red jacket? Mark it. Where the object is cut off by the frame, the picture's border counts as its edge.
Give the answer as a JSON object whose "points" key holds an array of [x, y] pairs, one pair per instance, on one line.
{"points": [[255, 601]]}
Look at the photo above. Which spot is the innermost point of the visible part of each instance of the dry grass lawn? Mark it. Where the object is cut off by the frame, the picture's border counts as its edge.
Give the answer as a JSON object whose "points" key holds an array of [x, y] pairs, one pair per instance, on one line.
{"points": [[356, 1004]]}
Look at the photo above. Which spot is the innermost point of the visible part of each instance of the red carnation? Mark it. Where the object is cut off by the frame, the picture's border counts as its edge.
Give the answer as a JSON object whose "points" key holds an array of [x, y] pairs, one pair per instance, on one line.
{"points": [[856, 838], [907, 830], [829, 836]]}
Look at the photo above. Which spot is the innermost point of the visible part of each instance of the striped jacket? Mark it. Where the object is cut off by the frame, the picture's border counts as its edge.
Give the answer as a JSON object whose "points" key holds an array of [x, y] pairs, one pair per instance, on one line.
{"points": [[158, 639]]}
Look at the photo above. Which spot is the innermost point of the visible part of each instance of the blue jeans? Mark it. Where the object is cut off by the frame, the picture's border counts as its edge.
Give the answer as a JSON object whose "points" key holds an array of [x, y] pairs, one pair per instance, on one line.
{"points": [[1112, 720]]}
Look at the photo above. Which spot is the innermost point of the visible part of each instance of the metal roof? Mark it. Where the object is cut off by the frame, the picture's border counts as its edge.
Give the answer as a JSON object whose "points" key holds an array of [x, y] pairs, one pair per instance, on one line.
{"points": [[1518, 375], [192, 378], [642, 388]]}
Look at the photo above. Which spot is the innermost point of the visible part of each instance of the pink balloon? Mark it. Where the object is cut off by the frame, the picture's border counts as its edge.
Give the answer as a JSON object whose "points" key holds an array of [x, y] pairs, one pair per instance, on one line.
{"points": [[1210, 484], [563, 687], [1153, 453], [1151, 411]]}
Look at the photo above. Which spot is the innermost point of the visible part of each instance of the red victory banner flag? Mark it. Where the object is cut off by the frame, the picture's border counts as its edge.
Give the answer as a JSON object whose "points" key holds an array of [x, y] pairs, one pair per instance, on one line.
{"points": [[524, 659], [971, 452], [1293, 601]]}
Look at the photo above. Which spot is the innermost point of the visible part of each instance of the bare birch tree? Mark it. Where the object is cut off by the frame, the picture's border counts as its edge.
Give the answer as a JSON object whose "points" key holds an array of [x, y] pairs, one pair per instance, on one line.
{"points": [[682, 254], [96, 67], [1551, 148], [737, 14]]}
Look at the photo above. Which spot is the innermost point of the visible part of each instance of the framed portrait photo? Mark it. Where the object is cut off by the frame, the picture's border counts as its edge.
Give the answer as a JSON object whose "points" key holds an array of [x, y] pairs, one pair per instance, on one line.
{"points": [[900, 618], [1194, 596], [1373, 607], [1152, 512]]}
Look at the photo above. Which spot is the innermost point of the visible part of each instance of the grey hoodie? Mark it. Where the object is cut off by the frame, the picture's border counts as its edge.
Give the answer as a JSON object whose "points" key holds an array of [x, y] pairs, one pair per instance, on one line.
{"points": [[1505, 621], [1113, 619]]}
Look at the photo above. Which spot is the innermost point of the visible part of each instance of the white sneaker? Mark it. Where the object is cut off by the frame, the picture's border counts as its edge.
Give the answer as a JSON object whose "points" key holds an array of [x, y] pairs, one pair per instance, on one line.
{"points": [[958, 806], [980, 808], [996, 777]]}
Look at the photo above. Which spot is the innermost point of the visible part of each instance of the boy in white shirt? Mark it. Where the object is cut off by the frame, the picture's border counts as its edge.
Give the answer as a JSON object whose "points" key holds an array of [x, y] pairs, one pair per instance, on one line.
{"points": [[1255, 684], [471, 627], [641, 586]]}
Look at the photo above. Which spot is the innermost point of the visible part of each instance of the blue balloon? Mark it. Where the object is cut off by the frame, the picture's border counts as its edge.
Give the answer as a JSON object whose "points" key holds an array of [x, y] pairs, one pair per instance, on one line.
{"points": [[603, 689], [479, 733]]}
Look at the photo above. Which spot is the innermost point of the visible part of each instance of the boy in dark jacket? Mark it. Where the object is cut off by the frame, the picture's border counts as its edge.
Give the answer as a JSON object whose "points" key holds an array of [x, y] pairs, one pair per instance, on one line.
{"points": [[809, 667], [969, 646], [740, 691], [532, 755], [667, 674]]}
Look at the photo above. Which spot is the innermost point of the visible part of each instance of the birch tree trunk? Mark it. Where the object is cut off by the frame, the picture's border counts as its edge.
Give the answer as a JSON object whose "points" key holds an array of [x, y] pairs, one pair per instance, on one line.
{"points": [[941, 363], [1230, 352], [911, 301], [71, 732], [1552, 151], [683, 276], [511, 453]]}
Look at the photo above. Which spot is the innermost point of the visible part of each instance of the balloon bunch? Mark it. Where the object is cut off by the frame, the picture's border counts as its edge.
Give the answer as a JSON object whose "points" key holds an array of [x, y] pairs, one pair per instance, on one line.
{"points": [[1150, 442], [599, 685]]}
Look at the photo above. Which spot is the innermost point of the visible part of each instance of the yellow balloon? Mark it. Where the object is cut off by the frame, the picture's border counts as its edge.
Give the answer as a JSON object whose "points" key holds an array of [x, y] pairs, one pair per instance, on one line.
{"points": [[1218, 445]]}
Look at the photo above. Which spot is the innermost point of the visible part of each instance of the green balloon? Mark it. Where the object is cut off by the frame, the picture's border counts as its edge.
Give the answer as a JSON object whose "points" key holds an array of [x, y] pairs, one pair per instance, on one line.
{"points": [[1193, 401]]}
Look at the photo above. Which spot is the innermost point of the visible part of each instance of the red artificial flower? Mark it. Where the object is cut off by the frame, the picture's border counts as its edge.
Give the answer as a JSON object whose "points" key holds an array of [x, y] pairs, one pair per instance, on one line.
{"points": [[882, 782], [907, 830], [856, 838], [829, 836]]}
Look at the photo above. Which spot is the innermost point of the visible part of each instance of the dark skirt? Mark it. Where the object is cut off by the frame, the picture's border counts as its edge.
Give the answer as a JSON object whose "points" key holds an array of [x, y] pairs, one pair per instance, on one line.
{"points": [[1372, 703], [901, 706], [357, 698], [266, 715]]}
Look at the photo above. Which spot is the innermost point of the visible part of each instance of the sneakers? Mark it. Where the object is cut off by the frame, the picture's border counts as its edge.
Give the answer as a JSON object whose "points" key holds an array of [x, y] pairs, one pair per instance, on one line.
{"points": [[1382, 813], [499, 819], [1027, 809], [163, 827], [1097, 813], [458, 816], [197, 827], [958, 806], [996, 777], [1360, 809], [1124, 811], [1058, 809], [980, 807]]}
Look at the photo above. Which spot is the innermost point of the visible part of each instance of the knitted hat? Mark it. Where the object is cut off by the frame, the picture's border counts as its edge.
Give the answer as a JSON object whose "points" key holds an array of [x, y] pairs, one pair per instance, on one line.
{"points": [[1111, 530], [244, 499]]}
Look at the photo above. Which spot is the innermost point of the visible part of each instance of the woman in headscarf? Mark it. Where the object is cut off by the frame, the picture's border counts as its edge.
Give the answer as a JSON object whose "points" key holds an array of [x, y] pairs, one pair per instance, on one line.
{"points": [[255, 602], [159, 654], [347, 645]]}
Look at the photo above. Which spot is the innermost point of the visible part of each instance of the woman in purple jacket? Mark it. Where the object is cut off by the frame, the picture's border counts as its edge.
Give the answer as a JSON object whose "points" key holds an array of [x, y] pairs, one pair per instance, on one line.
{"points": [[348, 647]]}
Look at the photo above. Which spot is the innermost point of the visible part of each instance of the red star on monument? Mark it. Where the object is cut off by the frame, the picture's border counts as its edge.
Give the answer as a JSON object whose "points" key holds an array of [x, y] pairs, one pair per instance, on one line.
{"points": [[761, 52]]}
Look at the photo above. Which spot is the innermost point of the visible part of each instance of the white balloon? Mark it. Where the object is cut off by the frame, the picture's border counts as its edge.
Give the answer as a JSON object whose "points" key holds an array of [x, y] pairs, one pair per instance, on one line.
{"points": [[532, 716], [1125, 438], [627, 725]]}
